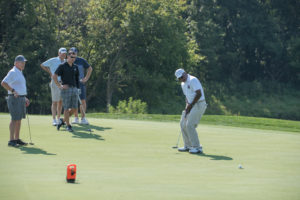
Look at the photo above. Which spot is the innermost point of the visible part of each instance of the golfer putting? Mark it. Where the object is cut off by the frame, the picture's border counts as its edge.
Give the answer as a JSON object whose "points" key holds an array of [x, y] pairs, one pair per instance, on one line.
{"points": [[191, 115]]}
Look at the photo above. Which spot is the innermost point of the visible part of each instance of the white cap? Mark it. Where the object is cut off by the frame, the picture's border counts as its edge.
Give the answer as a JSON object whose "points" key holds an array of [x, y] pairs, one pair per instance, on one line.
{"points": [[62, 50], [179, 73]]}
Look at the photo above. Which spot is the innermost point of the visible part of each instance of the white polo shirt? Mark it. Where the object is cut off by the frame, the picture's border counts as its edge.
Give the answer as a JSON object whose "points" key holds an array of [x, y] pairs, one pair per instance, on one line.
{"points": [[189, 88], [16, 80], [53, 64]]}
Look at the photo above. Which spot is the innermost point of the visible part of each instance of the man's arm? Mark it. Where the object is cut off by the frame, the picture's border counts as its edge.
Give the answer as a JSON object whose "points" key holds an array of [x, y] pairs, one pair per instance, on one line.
{"points": [[7, 87], [190, 106], [54, 77], [88, 74], [46, 69]]}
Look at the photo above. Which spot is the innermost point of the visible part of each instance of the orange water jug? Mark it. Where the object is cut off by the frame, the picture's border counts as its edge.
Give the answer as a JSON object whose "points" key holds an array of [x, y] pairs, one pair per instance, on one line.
{"points": [[71, 173]]}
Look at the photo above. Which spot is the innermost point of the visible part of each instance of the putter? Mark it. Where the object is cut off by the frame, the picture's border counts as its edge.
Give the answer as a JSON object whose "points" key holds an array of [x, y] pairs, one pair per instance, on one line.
{"points": [[90, 130], [31, 143], [176, 147]]}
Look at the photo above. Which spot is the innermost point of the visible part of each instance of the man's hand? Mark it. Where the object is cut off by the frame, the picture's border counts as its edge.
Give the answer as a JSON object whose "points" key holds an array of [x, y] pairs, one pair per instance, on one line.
{"points": [[27, 102], [15, 94], [84, 80], [188, 109], [64, 87]]}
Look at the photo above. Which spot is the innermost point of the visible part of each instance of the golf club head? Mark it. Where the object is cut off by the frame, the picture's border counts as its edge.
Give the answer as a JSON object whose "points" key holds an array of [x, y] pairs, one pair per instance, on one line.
{"points": [[175, 147], [31, 143]]}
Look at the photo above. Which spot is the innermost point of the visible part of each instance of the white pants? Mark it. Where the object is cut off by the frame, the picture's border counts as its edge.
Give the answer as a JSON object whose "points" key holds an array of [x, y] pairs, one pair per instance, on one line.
{"points": [[189, 124]]}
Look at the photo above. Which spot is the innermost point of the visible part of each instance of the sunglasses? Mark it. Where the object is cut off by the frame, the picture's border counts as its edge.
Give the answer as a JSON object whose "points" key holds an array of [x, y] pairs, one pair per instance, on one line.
{"points": [[71, 53]]}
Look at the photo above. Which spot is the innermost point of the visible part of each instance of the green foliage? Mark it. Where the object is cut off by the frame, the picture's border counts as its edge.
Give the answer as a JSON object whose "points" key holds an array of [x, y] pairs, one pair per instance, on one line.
{"points": [[238, 49], [130, 107]]}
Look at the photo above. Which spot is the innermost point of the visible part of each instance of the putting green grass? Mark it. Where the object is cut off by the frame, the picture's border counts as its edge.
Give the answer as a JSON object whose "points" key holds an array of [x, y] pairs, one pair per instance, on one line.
{"points": [[128, 159]]}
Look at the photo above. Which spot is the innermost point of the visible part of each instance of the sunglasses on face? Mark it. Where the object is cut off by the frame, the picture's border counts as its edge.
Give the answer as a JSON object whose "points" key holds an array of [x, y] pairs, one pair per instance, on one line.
{"points": [[71, 53]]}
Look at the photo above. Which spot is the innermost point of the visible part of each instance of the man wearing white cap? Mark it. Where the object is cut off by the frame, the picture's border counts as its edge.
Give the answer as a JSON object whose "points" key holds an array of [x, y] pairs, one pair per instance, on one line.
{"points": [[50, 67], [15, 83], [195, 108]]}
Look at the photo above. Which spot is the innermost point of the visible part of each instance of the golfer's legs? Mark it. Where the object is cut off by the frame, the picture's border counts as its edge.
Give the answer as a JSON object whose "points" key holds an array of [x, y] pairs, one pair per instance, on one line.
{"points": [[192, 121], [185, 135]]}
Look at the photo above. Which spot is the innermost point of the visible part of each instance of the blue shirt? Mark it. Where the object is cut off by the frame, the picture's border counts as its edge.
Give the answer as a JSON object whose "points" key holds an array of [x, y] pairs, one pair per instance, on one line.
{"points": [[82, 65]]}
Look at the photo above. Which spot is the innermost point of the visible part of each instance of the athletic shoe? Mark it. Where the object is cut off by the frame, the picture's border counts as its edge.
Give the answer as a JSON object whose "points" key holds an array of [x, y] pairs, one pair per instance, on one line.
{"points": [[54, 123], [69, 128], [76, 121], [13, 143], [84, 121], [20, 142], [61, 122], [183, 149], [196, 150]]}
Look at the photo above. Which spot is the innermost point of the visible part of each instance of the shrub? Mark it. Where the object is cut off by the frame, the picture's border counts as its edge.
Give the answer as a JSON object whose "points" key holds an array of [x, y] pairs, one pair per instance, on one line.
{"points": [[130, 107]]}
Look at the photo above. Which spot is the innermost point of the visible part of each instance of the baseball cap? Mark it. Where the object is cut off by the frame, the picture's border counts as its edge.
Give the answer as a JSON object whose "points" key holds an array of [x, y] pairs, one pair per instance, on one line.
{"points": [[73, 49], [179, 73], [62, 50], [20, 58]]}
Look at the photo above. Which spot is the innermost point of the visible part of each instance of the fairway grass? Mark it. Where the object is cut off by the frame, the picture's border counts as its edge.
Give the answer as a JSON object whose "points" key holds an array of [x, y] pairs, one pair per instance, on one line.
{"points": [[129, 159]]}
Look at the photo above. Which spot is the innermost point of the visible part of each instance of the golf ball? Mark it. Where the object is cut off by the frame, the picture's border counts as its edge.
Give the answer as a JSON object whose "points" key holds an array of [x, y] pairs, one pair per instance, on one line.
{"points": [[240, 166]]}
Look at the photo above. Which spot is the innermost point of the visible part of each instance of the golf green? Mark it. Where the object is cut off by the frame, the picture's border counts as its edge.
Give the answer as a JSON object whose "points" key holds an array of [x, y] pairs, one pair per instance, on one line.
{"points": [[127, 159]]}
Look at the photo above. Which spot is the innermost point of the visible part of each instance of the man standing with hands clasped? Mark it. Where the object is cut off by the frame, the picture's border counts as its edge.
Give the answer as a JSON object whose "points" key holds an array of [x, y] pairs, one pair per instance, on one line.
{"points": [[195, 108], [69, 86], [15, 83]]}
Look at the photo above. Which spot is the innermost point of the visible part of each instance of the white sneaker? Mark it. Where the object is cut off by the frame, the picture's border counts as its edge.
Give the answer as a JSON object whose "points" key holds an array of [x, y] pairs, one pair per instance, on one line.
{"points": [[84, 121], [76, 121], [182, 149], [196, 150], [54, 123]]}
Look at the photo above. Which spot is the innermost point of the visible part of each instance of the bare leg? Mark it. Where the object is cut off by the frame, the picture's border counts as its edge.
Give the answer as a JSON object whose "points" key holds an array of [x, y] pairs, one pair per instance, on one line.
{"points": [[17, 129], [76, 113], [12, 129], [59, 108], [83, 106], [67, 116], [54, 109]]}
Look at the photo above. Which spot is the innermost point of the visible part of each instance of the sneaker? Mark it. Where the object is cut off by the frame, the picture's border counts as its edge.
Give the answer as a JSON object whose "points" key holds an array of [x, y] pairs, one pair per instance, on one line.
{"points": [[54, 123], [20, 142], [183, 149], [13, 143], [69, 128], [61, 123], [196, 150], [76, 121], [84, 121]]}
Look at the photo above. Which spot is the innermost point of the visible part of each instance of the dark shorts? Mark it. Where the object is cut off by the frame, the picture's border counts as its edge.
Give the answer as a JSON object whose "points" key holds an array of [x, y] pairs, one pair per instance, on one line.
{"points": [[16, 107], [82, 91], [70, 98]]}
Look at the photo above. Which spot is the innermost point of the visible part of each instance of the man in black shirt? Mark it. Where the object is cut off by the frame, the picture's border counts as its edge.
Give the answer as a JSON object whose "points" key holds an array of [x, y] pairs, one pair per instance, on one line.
{"points": [[69, 88]]}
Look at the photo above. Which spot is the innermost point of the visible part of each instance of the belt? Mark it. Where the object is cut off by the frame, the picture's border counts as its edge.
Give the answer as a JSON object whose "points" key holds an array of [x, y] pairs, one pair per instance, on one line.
{"points": [[18, 96]]}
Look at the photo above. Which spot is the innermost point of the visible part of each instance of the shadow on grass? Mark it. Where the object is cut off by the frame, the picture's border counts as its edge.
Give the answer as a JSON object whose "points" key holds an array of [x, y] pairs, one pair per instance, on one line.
{"points": [[86, 131], [92, 127], [214, 157], [34, 150]]}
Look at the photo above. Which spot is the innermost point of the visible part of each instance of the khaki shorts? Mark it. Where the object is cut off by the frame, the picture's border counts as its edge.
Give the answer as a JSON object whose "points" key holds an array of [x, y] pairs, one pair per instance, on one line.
{"points": [[55, 92]]}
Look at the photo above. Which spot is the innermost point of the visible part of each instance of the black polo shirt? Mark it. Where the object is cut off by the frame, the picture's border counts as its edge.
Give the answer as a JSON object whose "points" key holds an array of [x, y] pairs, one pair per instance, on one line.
{"points": [[69, 74]]}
